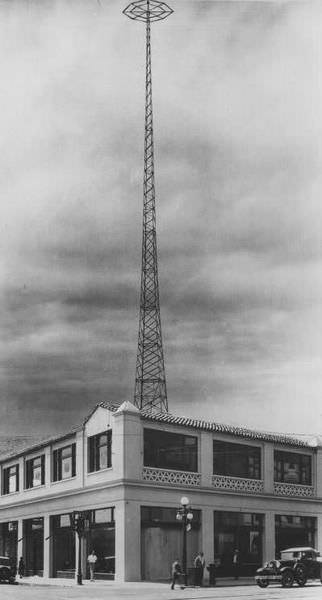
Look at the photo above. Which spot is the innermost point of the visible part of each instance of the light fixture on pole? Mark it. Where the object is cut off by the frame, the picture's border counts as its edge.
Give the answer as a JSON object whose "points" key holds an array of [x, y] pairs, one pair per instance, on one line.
{"points": [[79, 522], [185, 515]]}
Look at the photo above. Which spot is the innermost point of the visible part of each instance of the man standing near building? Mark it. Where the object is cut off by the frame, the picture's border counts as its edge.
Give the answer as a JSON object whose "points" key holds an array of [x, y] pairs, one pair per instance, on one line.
{"points": [[199, 564], [236, 563], [91, 559]]}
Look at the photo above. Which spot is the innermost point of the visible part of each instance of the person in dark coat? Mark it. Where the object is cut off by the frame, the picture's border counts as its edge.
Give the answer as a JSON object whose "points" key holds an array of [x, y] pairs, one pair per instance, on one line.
{"points": [[175, 572], [236, 561], [21, 567]]}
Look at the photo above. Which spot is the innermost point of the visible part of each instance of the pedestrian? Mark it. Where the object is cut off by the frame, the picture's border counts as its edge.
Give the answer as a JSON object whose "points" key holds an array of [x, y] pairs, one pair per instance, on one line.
{"points": [[175, 572], [91, 559], [199, 564], [236, 560], [21, 567]]}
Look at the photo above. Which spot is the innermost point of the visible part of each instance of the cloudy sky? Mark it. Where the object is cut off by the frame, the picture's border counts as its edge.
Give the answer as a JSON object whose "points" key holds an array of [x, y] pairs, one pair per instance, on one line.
{"points": [[238, 129]]}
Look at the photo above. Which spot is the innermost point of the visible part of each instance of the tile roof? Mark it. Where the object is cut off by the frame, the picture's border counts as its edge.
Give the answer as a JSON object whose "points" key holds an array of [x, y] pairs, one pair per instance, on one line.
{"points": [[227, 429], [18, 446]]}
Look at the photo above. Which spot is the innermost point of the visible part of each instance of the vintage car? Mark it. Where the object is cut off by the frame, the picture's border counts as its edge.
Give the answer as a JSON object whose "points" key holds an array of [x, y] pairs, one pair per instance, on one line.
{"points": [[296, 565], [7, 573]]}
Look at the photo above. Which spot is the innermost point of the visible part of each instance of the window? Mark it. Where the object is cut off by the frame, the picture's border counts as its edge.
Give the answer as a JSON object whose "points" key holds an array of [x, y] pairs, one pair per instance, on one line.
{"points": [[10, 479], [291, 467], [236, 460], [100, 451], [156, 516], [64, 463], [167, 450], [35, 472]]}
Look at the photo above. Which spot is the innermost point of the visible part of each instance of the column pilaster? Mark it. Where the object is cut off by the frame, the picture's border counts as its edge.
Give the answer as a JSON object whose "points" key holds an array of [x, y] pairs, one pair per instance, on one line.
{"points": [[269, 548], [207, 538], [127, 541], [47, 544]]}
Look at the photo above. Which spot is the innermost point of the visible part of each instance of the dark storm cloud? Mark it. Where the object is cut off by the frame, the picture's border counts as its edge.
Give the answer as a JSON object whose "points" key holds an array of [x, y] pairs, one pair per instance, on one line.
{"points": [[237, 102]]}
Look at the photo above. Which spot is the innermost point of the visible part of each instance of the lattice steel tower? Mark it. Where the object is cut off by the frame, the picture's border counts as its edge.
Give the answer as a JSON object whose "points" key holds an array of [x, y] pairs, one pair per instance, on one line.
{"points": [[150, 383]]}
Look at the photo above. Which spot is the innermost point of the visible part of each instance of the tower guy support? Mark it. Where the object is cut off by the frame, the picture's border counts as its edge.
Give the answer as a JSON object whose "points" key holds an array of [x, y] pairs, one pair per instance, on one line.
{"points": [[150, 382]]}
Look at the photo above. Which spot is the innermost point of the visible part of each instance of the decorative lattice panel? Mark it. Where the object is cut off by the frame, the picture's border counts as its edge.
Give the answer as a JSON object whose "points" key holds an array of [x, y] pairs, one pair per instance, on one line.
{"points": [[292, 489], [172, 477], [238, 484]]}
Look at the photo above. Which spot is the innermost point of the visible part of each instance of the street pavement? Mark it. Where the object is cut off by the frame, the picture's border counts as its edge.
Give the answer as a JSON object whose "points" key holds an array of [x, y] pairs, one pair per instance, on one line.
{"points": [[154, 591]]}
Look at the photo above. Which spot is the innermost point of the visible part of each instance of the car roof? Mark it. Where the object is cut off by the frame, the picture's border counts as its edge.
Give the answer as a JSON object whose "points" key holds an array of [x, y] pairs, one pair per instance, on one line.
{"points": [[300, 549]]}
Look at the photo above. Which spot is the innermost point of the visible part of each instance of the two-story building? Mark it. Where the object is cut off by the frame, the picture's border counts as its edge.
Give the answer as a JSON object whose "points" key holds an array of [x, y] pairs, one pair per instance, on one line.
{"points": [[253, 491]]}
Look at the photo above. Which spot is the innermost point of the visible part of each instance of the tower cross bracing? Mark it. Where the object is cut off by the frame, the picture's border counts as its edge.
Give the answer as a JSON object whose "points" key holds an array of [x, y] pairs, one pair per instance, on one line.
{"points": [[150, 381]]}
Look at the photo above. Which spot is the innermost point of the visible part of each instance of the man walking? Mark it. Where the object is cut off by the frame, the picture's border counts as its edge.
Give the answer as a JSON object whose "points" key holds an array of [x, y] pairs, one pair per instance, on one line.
{"points": [[175, 572]]}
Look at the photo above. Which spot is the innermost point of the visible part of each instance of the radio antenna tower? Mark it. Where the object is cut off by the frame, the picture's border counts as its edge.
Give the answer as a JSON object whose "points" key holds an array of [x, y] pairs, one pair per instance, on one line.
{"points": [[150, 383]]}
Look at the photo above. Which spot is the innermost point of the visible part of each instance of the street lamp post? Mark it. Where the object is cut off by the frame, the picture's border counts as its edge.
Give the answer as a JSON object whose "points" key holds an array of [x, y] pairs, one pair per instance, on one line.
{"points": [[78, 522], [185, 515]]}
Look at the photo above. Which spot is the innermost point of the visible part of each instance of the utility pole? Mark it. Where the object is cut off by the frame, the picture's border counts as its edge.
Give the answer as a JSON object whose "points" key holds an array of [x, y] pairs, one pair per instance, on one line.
{"points": [[150, 382]]}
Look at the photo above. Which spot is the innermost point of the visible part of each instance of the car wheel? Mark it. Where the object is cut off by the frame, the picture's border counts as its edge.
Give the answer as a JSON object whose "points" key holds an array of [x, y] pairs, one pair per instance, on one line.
{"points": [[300, 576], [263, 583], [287, 579]]}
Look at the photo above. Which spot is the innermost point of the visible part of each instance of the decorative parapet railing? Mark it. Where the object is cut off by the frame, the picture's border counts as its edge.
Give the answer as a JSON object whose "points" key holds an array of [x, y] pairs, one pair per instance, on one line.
{"points": [[238, 484], [172, 477], [293, 489]]}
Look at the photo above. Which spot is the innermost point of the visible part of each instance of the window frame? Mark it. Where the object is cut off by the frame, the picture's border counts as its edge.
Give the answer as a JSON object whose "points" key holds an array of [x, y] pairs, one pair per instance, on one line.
{"points": [[6, 479], [58, 459], [238, 447], [156, 457], [93, 454], [30, 468], [282, 456]]}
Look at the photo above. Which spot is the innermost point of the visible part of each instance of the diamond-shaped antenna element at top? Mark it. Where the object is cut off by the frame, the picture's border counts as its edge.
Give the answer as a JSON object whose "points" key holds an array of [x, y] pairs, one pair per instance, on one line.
{"points": [[144, 10], [150, 384]]}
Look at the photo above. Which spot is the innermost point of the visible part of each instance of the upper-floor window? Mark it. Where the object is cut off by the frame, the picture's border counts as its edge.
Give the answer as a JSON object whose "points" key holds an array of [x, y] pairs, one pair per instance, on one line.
{"points": [[291, 467], [10, 479], [167, 450], [64, 462], [100, 451], [35, 472], [236, 460]]}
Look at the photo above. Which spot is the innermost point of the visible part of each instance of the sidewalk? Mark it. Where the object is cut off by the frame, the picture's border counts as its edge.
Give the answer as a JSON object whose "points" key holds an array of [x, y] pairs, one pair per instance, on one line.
{"points": [[59, 582]]}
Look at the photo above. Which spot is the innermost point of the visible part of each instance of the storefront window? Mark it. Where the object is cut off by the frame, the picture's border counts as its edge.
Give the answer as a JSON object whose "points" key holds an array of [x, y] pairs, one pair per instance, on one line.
{"points": [[10, 479], [293, 531], [100, 451], [242, 532], [101, 538], [64, 463], [33, 535], [63, 546], [8, 540], [167, 450], [35, 472], [154, 516], [291, 467], [236, 460]]}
